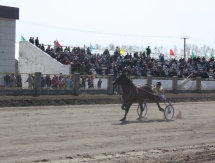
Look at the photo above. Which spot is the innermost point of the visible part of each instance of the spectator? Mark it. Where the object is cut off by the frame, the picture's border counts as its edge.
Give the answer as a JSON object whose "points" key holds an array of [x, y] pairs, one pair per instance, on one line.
{"points": [[148, 52], [67, 82], [42, 47], [13, 80], [7, 80], [37, 42], [48, 50], [19, 80], [99, 83], [32, 40], [48, 81], [30, 81], [55, 82], [42, 81]]}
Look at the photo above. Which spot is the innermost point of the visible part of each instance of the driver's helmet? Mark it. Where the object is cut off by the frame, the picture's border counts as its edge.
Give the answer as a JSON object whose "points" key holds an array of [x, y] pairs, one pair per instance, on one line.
{"points": [[158, 84]]}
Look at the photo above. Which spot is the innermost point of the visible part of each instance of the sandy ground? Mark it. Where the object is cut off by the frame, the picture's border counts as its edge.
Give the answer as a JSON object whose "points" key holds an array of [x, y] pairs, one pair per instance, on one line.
{"points": [[93, 133], [89, 99]]}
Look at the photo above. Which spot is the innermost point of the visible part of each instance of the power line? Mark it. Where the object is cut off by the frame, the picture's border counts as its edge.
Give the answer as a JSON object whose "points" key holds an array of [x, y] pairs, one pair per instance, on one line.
{"points": [[86, 31]]}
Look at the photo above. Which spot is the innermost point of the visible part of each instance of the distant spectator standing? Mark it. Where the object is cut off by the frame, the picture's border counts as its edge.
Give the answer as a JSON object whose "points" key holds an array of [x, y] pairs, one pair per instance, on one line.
{"points": [[32, 40], [55, 82], [42, 47], [30, 81], [42, 81], [7, 80], [99, 84], [37, 42], [148, 51], [13, 80], [19, 80], [48, 81], [67, 82]]}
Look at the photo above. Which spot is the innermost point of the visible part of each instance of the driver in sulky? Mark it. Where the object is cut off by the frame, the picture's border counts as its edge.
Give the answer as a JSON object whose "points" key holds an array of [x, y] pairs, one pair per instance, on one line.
{"points": [[158, 90]]}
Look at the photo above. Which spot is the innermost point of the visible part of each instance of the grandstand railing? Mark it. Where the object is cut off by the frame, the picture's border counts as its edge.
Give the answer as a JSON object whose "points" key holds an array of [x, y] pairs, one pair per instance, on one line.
{"points": [[18, 84]]}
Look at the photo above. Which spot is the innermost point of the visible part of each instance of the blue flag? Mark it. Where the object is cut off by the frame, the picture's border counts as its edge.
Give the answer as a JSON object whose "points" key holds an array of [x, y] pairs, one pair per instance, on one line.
{"points": [[92, 48]]}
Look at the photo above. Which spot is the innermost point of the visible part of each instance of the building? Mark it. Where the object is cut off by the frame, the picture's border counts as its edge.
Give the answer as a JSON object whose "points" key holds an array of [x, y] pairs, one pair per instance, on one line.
{"points": [[8, 17]]}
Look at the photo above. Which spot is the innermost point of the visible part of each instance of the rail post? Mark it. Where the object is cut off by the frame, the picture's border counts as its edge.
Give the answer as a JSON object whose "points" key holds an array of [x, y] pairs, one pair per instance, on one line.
{"points": [[175, 84], [76, 84], [37, 83], [110, 83], [198, 85], [149, 80]]}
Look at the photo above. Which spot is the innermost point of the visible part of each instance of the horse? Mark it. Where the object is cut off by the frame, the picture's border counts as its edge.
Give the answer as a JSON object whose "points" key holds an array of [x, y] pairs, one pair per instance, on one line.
{"points": [[132, 94]]}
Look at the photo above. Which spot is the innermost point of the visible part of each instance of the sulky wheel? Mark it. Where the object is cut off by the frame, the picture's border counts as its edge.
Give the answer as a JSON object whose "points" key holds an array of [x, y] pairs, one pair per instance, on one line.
{"points": [[144, 111], [169, 112]]}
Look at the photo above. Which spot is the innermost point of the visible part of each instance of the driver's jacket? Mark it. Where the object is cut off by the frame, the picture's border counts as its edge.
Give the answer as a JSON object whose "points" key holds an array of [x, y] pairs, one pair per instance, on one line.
{"points": [[158, 91]]}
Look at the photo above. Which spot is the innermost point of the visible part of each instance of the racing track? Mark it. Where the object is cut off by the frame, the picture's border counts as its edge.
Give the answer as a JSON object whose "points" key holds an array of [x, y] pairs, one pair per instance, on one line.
{"points": [[93, 133]]}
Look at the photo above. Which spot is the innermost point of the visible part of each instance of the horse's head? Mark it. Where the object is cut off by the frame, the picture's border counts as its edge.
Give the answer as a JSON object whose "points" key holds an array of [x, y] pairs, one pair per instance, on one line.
{"points": [[119, 79]]}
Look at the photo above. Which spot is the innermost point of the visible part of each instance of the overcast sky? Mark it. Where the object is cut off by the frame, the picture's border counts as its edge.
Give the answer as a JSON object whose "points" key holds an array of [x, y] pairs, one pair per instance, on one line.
{"points": [[122, 22]]}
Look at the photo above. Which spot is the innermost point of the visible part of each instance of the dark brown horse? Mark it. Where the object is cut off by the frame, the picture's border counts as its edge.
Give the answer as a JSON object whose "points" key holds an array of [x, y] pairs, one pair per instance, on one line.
{"points": [[133, 94]]}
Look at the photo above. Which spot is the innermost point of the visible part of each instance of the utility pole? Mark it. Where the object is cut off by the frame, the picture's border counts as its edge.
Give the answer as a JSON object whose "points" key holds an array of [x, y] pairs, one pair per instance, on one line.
{"points": [[184, 46]]}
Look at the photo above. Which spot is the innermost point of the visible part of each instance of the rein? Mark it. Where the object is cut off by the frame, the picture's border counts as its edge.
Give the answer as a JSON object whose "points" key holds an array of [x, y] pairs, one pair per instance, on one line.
{"points": [[148, 92]]}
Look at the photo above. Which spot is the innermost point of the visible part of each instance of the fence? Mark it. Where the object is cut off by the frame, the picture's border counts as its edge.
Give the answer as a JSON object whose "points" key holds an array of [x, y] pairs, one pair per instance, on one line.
{"points": [[45, 84]]}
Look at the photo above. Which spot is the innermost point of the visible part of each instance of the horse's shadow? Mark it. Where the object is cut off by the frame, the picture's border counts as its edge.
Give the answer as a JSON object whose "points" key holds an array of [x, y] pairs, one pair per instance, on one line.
{"points": [[143, 121]]}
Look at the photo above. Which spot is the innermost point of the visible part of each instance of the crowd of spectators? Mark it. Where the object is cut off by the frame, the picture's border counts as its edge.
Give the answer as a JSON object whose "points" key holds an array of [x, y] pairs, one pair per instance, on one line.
{"points": [[55, 82], [138, 64]]}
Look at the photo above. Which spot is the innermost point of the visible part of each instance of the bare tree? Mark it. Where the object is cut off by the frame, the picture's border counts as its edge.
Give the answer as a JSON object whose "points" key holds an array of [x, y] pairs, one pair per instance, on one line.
{"points": [[111, 46], [182, 53], [195, 49], [97, 46], [156, 49], [188, 50], [130, 48], [211, 51], [204, 50], [175, 49], [136, 48], [124, 47]]}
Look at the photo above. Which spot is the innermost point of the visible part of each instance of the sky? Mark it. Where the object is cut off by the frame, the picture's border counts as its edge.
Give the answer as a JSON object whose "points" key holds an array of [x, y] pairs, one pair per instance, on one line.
{"points": [[121, 22]]}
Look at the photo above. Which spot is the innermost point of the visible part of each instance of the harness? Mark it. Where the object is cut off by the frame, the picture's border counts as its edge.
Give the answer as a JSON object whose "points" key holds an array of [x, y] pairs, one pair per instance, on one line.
{"points": [[136, 89]]}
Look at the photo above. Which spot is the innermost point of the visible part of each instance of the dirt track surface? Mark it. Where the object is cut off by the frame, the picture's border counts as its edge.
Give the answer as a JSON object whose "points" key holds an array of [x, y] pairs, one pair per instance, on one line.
{"points": [[59, 100], [93, 133]]}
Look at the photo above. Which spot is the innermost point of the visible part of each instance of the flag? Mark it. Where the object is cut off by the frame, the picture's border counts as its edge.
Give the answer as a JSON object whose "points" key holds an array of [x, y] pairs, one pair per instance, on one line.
{"points": [[193, 55], [92, 48], [121, 51], [172, 52], [58, 44], [212, 56], [22, 38]]}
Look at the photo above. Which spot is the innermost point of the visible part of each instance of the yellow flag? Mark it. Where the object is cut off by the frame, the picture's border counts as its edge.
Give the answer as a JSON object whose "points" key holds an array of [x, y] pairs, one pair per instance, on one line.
{"points": [[121, 51]]}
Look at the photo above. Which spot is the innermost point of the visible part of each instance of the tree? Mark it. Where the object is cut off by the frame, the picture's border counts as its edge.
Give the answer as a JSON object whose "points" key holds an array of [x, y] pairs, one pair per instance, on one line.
{"points": [[97, 46], [111, 46], [124, 47], [188, 50], [204, 50], [175, 49]]}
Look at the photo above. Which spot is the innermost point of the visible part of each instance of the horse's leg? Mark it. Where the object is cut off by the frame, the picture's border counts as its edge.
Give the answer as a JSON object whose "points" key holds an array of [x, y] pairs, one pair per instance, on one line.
{"points": [[128, 105], [141, 110], [123, 106], [157, 102]]}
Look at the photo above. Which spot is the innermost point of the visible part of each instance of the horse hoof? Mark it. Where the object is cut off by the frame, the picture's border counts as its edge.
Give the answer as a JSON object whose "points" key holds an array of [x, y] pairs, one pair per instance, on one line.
{"points": [[139, 119], [123, 120], [162, 110]]}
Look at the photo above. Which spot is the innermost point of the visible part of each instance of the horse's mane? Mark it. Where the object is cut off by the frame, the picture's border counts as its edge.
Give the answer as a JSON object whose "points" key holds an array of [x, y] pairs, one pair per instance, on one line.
{"points": [[129, 82]]}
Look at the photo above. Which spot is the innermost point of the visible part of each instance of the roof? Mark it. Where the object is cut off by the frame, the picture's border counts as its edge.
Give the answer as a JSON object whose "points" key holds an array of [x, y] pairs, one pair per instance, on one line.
{"points": [[9, 12]]}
